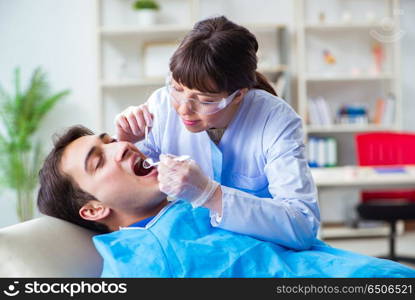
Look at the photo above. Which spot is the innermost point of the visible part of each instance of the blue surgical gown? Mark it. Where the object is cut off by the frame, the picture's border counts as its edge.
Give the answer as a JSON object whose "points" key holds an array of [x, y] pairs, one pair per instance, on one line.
{"points": [[267, 188], [180, 242]]}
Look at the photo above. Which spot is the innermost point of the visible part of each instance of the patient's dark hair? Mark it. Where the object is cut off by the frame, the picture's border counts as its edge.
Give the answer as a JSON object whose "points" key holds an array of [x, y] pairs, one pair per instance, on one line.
{"points": [[222, 52], [59, 196]]}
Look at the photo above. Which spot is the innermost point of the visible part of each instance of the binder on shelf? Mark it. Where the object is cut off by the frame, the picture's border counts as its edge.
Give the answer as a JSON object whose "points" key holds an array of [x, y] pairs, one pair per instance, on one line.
{"points": [[322, 152], [379, 111], [389, 112], [385, 111], [312, 152], [325, 111], [331, 145], [314, 115], [319, 112]]}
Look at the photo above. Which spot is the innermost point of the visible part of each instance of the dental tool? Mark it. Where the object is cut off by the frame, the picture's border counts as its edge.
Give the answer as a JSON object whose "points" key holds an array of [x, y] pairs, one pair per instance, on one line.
{"points": [[146, 134], [148, 163], [149, 124]]}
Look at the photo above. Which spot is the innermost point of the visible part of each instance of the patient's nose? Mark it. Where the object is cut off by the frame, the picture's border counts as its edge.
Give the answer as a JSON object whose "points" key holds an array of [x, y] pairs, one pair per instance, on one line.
{"points": [[120, 151]]}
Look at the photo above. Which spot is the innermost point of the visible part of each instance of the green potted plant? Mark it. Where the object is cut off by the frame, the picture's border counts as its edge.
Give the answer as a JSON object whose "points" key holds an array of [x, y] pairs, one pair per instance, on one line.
{"points": [[147, 11], [21, 113]]}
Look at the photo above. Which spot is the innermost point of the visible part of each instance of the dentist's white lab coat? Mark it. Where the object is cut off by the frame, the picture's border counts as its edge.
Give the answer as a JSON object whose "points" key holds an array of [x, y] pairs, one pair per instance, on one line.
{"points": [[267, 188]]}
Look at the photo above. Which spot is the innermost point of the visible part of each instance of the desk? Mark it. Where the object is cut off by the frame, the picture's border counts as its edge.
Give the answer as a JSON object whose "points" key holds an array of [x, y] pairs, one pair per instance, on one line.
{"points": [[365, 178]]}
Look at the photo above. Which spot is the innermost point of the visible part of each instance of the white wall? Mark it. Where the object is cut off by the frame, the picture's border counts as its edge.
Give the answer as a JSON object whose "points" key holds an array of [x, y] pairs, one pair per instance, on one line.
{"points": [[59, 35]]}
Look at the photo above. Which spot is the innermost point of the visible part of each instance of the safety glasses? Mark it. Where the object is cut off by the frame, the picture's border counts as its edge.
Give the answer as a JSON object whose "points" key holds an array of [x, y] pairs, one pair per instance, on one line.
{"points": [[200, 107]]}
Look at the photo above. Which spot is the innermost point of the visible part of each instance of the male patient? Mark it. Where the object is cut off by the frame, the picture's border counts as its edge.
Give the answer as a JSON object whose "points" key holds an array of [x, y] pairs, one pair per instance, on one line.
{"points": [[99, 183]]}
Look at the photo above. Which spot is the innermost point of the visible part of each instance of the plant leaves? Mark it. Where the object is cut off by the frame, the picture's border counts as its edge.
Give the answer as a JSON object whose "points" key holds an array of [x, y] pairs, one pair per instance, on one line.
{"points": [[21, 114]]}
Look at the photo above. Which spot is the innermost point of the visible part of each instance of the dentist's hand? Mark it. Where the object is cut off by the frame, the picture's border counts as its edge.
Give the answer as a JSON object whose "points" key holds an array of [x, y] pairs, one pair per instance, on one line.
{"points": [[131, 123], [185, 180]]}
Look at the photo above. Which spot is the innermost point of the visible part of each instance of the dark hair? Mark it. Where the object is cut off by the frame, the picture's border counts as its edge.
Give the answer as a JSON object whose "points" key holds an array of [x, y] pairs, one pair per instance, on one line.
{"points": [[218, 55], [59, 196]]}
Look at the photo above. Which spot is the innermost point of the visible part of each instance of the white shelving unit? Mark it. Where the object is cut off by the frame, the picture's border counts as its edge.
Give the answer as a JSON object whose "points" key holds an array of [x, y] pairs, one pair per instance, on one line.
{"points": [[348, 29], [313, 35], [120, 52], [121, 43]]}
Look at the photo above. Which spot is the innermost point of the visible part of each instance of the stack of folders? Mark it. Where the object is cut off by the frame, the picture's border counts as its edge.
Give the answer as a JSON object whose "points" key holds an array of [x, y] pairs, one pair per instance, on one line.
{"points": [[322, 152], [352, 114], [319, 112]]}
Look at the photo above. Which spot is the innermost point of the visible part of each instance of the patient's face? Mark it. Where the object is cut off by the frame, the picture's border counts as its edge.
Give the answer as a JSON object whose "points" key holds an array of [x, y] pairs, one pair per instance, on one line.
{"points": [[107, 169]]}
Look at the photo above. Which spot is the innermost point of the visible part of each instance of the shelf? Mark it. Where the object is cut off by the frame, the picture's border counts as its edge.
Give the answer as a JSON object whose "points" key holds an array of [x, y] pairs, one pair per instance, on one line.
{"points": [[150, 30], [342, 26], [264, 26], [362, 177], [347, 128], [128, 83], [276, 69], [316, 78], [174, 29]]}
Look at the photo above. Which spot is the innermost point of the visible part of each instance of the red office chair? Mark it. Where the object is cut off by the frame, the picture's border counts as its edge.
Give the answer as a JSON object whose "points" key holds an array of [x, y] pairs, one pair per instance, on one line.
{"points": [[387, 149]]}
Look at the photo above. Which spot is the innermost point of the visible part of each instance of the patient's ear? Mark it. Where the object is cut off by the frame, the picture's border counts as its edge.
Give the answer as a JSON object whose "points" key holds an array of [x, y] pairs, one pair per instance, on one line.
{"points": [[94, 211]]}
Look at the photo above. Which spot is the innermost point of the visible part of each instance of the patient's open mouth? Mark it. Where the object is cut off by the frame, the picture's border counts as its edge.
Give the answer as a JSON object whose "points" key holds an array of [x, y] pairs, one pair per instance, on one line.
{"points": [[139, 169]]}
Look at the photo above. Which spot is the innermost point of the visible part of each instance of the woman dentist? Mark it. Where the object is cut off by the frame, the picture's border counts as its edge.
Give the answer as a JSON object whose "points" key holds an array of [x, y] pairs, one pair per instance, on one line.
{"points": [[248, 165]]}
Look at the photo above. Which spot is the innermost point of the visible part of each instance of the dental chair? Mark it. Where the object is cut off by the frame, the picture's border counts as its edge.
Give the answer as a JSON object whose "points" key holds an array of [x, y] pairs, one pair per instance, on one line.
{"points": [[48, 247]]}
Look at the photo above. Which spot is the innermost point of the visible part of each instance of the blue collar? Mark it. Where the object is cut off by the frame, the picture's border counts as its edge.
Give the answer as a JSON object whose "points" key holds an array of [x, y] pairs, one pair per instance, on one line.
{"points": [[142, 223]]}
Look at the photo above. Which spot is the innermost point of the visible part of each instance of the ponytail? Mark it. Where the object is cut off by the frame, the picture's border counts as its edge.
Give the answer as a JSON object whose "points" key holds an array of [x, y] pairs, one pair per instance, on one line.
{"points": [[263, 84]]}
